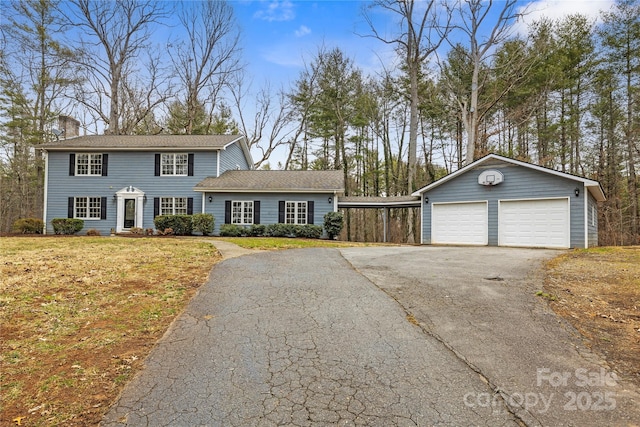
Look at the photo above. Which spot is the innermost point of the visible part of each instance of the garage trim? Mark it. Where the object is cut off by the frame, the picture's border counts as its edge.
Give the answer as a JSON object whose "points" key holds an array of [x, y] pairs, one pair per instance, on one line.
{"points": [[485, 228], [567, 219]]}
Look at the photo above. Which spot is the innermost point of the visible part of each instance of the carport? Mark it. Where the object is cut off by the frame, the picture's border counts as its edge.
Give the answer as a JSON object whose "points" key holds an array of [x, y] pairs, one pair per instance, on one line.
{"points": [[384, 203]]}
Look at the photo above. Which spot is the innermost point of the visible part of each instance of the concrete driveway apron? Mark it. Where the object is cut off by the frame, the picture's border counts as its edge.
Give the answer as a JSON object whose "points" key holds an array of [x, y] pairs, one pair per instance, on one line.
{"points": [[480, 302], [300, 338]]}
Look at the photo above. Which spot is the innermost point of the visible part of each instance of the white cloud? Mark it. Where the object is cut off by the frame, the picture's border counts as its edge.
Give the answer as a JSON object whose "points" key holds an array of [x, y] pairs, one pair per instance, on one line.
{"points": [[558, 9], [276, 11], [284, 55], [302, 31]]}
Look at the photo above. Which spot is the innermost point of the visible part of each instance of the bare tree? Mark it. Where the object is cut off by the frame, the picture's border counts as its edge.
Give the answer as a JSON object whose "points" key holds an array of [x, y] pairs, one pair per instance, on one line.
{"points": [[35, 72], [114, 36], [423, 28], [209, 56], [475, 22], [270, 116]]}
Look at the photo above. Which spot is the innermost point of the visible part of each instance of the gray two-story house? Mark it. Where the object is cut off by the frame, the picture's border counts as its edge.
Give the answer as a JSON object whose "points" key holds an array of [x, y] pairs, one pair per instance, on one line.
{"points": [[120, 182]]}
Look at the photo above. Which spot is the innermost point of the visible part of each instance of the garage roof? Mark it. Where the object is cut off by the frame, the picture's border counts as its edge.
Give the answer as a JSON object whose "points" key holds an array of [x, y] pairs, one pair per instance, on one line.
{"points": [[592, 186]]}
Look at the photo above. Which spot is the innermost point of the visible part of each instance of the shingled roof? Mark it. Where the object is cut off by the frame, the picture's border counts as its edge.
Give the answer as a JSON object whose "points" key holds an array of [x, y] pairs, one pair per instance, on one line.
{"points": [[379, 202], [144, 142], [274, 181]]}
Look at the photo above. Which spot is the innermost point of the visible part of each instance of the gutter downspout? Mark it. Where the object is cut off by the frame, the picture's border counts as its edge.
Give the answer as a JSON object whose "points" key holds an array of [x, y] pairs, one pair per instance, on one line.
{"points": [[585, 192], [46, 191], [422, 218]]}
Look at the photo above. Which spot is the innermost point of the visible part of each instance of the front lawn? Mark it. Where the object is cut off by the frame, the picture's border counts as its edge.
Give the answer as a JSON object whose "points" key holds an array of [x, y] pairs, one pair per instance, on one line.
{"points": [[79, 315], [598, 291]]}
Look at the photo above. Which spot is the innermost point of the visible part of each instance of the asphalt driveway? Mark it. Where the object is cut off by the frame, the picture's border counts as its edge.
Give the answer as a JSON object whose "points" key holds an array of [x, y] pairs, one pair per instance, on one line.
{"points": [[373, 336]]}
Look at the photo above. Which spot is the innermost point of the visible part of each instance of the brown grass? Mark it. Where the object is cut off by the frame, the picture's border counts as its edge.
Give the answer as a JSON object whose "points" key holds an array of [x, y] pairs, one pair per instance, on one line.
{"points": [[598, 292], [80, 314], [276, 243]]}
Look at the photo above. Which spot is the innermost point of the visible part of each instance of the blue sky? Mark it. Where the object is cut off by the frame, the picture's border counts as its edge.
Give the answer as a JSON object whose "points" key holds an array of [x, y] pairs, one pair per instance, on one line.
{"points": [[278, 36]]}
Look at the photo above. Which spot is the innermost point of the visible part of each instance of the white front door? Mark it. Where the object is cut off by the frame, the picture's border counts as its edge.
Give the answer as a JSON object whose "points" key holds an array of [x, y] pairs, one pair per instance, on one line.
{"points": [[130, 206]]}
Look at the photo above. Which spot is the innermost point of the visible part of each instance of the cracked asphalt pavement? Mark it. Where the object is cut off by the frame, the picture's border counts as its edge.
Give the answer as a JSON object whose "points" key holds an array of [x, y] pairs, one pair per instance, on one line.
{"points": [[381, 336]]}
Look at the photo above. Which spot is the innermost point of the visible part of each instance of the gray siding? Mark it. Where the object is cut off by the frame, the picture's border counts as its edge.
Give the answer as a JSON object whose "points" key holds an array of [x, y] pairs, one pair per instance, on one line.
{"points": [[233, 158], [268, 205], [124, 169], [519, 183]]}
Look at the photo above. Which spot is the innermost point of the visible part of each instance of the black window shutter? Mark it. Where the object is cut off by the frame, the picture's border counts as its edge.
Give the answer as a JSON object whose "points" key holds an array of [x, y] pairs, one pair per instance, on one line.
{"points": [[72, 164], [70, 207], [310, 212], [227, 211], [190, 206], [156, 206], [190, 165], [157, 170], [256, 212], [103, 206], [105, 164], [281, 211]]}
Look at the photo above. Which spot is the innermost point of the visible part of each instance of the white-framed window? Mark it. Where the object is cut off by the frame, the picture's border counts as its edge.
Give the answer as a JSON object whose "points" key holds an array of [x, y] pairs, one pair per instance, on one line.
{"points": [[87, 207], [593, 216], [176, 164], [173, 206], [241, 212], [89, 164], [295, 213]]}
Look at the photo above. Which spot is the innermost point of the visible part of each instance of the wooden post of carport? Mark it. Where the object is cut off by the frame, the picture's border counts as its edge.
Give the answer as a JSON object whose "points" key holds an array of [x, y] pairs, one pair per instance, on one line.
{"points": [[385, 215]]}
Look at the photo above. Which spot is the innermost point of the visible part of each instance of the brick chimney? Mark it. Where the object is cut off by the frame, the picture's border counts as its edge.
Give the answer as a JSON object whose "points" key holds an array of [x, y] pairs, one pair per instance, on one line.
{"points": [[69, 126]]}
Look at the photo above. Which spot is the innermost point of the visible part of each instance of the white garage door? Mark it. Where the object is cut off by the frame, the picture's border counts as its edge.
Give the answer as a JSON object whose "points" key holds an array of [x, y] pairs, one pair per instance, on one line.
{"points": [[534, 223], [459, 223]]}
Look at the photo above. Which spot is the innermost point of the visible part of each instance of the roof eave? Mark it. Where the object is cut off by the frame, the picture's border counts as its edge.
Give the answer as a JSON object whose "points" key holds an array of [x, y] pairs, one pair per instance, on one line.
{"points": [[587, 182], [280, 190], [130, 148], [413, 204], [596, 191]]}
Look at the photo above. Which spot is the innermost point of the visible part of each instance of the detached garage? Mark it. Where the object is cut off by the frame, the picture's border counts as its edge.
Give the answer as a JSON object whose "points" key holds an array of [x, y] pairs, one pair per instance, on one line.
{"points": [[500, 201]]}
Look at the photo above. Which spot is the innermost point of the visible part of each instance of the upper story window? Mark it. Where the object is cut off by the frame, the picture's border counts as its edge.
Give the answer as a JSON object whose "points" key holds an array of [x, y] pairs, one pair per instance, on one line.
{"points": [[242, 212], [88, 164], [296, 213], [174, 164]]}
